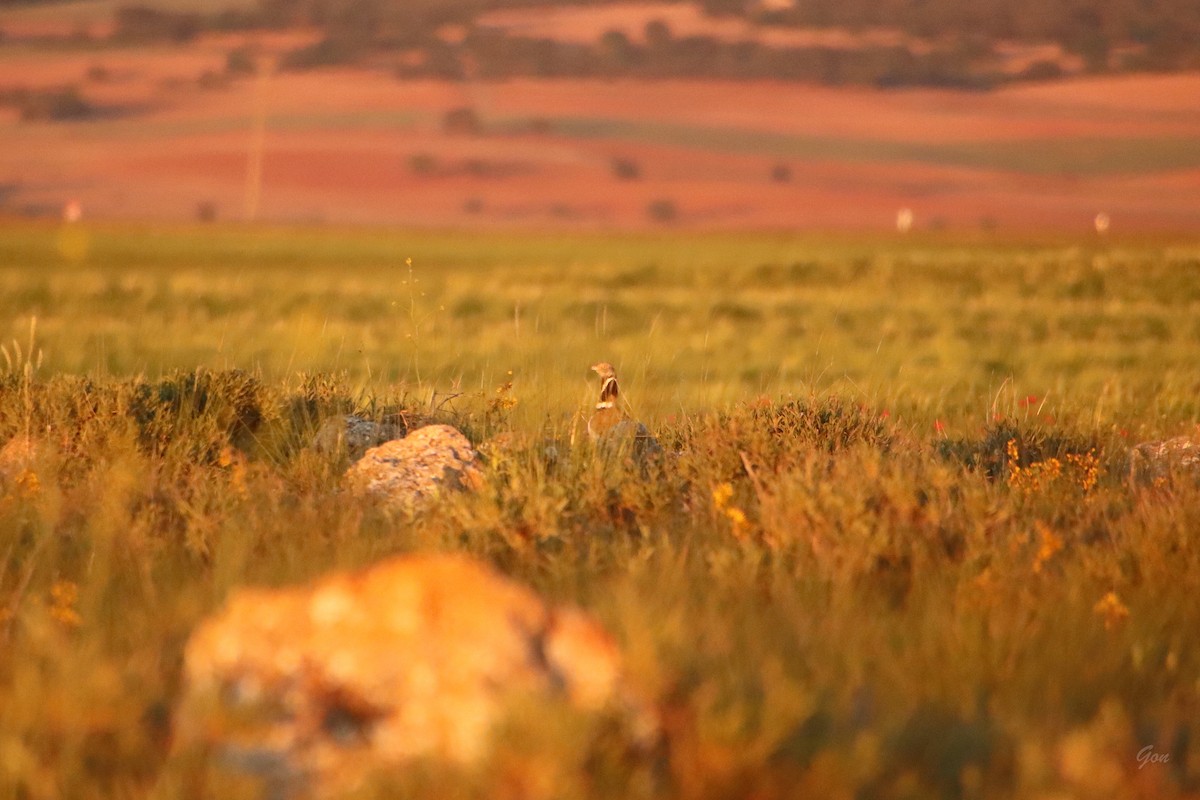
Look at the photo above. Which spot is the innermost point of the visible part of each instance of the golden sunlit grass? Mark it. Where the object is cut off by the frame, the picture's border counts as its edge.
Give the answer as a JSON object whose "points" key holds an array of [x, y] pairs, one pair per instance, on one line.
{"points": [[891, 553]]}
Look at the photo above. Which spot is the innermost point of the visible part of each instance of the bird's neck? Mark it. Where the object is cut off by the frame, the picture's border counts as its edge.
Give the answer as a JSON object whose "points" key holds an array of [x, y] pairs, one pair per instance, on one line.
{"points": [[608, 391]]}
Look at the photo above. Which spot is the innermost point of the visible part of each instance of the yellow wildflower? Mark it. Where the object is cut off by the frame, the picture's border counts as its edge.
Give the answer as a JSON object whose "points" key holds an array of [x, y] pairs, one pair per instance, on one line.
{"points": [[63, 596], [28, 482], [1050, 544], [504, 399], [983, 589], [721, 495], [1088, 467], [231, 459], [1014, 456], [1111, 610]]}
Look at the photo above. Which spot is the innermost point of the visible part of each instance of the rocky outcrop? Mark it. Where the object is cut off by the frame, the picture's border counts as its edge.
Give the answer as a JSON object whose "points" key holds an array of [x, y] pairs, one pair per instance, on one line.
{"points": [[1154, 462], [629, 438], [350, 435], [416, 657], [17, 457], [410, 471]]}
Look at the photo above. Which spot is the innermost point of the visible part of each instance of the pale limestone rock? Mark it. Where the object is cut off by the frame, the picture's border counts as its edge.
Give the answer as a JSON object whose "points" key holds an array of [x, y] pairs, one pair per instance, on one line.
{"points": [[1151, 462], [18, 456], [628, 437], [352, 435], [416, 657], [409, 471]]}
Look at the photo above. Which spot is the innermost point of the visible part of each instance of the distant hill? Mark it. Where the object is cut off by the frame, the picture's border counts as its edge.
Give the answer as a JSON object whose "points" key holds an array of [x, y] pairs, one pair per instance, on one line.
{"points": [[973, 44]]}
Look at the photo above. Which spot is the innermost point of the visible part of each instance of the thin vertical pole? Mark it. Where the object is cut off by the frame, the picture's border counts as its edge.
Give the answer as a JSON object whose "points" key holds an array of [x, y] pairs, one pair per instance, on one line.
{"points": [[258, 135]]}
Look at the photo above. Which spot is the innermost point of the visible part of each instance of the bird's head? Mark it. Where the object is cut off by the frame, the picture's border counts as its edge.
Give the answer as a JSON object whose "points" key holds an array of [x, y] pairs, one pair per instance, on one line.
{"points": [[608, 381]]}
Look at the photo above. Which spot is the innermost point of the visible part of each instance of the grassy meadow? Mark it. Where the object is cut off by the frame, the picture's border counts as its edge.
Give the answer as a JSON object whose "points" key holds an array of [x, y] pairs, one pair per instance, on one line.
{"points": [[893, 552]]}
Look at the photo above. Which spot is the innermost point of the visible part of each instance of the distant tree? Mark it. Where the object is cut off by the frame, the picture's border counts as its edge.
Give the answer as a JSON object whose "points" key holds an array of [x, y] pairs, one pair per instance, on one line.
{"points": [[1042, 71], [658, 34], [422, 164], [206, 211], [52, 105], [142, 24], [328, 52], [241, 61], [963, 35], [442, 60], [236, 19], [727, 8], [463, 121], [1085, 35], [695, 55], [626, 169], [616, 50], [662, 211]]}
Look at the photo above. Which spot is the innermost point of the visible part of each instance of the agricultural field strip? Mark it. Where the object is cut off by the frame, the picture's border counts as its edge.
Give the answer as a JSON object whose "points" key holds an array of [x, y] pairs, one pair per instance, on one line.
{"points": [[82, 11], [132, 128], [1085, 156], [1091, 156]]}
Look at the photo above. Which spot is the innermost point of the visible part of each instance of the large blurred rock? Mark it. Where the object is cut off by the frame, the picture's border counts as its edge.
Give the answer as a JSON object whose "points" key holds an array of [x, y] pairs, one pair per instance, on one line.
{"points": [[415, 657], [351, 435], [407, 472], [1152, 462], [17, 457]]}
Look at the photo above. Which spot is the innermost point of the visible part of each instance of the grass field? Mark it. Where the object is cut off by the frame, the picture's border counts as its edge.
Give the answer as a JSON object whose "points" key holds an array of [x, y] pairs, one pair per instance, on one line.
{"points": [[895, 554]]}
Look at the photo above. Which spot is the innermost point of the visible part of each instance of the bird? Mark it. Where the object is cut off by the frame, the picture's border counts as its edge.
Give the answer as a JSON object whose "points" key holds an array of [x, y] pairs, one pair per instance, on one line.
{"points": [[610, 427], [607, 415]]}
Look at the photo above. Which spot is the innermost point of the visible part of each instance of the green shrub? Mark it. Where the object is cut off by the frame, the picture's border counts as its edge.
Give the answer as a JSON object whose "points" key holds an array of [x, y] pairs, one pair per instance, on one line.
{"points": [[992, 453], [200, 412]]}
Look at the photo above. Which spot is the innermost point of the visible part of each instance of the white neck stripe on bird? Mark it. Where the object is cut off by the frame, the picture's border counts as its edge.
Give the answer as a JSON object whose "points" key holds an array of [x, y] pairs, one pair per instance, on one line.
{"points": [[608, 389], [604, 404]]}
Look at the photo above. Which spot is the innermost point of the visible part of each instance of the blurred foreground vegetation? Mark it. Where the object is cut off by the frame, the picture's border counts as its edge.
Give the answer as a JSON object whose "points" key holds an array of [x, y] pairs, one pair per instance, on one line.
{"points": [[893, 554]]}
